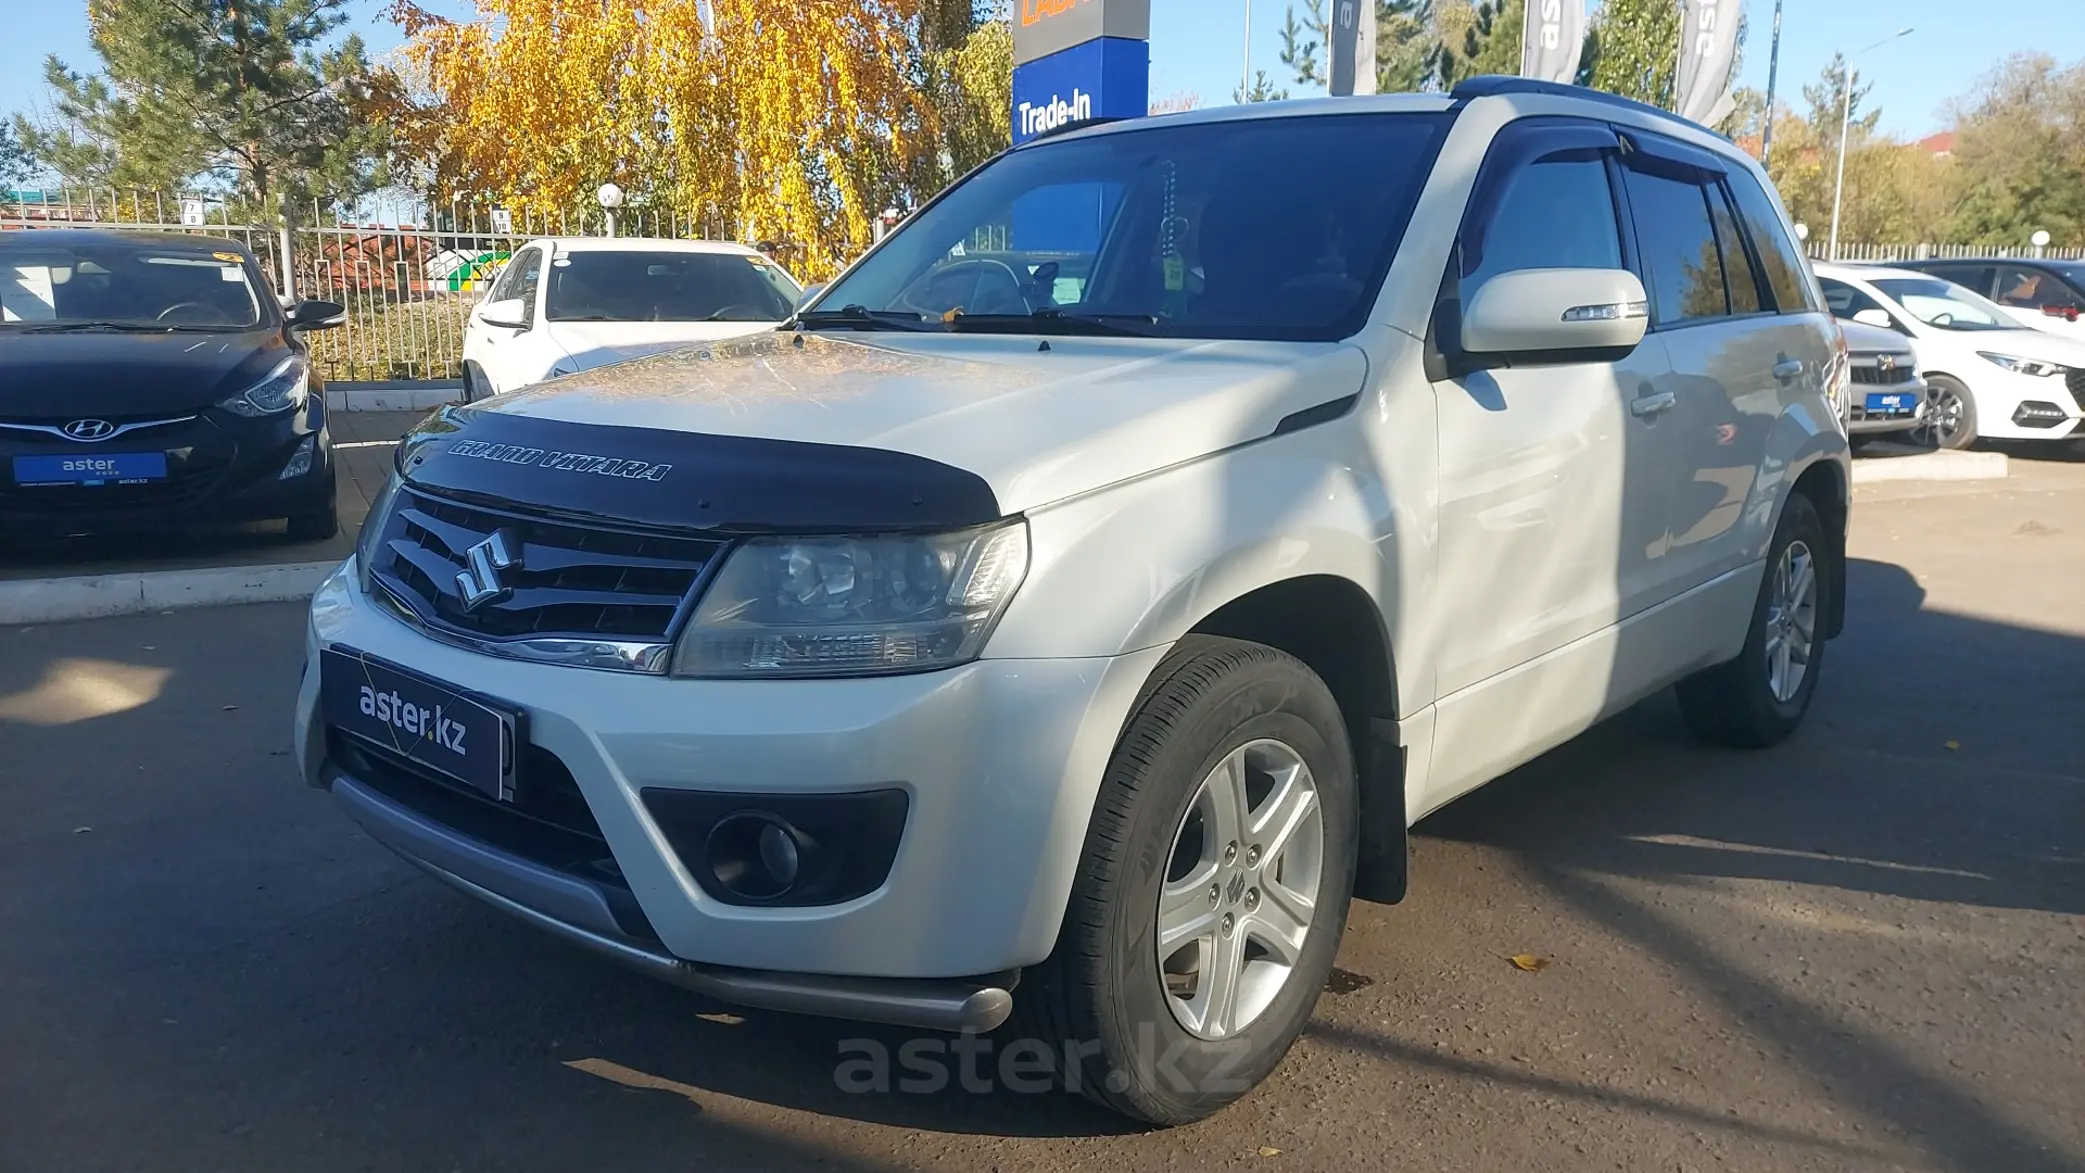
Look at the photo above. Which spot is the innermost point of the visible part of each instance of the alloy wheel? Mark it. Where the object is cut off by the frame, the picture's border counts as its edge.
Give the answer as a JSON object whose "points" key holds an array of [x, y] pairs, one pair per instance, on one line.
{"points": [[1791, 621], [1240, 889]]}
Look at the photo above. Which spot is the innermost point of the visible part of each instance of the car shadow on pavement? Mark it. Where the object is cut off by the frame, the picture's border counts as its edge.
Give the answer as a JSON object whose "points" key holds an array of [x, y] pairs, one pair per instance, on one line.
{"points": [[1879, 797]]}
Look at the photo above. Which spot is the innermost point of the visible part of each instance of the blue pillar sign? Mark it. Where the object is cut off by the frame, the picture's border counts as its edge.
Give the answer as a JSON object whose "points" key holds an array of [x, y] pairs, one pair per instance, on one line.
{"points": [[1079, 59]]}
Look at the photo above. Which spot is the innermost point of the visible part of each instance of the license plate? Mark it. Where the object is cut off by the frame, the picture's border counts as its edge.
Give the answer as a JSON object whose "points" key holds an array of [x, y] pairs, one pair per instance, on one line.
{"points": [[464, 736], [1894, 402], [102, 468]]}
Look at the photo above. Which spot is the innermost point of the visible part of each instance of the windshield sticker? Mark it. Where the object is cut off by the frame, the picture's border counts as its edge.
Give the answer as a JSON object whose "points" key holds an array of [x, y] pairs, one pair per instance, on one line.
{"points": [[607, 466]]}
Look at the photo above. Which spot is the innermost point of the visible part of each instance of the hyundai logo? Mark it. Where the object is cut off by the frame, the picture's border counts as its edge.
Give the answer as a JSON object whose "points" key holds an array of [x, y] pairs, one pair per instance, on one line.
{"points": [[89, 429], [480, 581]]}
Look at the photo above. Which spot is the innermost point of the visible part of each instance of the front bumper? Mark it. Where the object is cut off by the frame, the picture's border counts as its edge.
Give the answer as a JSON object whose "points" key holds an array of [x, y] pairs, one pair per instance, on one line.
{"points": [[1860, 423], [221, 469], [1001, 761]]}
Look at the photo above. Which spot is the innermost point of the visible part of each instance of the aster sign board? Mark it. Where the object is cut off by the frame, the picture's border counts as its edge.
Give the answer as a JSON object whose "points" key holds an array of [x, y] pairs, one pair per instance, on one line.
{"points": [[1043, 27]]}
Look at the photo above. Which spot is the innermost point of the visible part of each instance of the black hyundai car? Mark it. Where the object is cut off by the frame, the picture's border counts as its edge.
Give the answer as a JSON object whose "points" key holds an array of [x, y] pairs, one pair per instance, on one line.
{"points": [[154, 382]]}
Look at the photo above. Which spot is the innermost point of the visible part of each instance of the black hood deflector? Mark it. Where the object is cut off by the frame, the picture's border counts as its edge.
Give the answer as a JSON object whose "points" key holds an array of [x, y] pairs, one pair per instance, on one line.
{"points": [[683, 480]]}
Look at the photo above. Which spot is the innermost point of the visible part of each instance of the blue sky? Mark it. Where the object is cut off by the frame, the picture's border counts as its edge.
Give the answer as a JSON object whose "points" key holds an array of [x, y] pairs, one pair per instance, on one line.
{"points": [[1197, 45]]}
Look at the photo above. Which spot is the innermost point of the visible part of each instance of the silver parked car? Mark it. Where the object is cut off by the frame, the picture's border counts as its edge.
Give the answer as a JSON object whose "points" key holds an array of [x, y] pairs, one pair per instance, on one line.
{"points": [[1886, 392]]}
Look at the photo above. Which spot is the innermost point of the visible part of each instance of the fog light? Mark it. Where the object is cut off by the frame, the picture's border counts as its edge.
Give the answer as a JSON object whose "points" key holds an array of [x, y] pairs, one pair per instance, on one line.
{"points": [[756, 856], [300, 461], [2035, 414]]}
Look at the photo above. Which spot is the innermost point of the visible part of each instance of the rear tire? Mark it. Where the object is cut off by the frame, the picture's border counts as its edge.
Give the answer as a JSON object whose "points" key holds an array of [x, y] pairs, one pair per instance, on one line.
{"points": [[1221, 717], [1759, 698]]}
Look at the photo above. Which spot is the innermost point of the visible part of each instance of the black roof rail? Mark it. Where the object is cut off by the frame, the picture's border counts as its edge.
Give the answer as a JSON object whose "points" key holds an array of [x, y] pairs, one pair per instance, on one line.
{"points": [[1491, 84], [1077, 124]]}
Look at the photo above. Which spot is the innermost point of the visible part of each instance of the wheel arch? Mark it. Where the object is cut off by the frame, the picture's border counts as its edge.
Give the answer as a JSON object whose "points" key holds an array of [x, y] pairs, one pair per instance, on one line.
{"points": [[1825, 485], [1335, 628]]}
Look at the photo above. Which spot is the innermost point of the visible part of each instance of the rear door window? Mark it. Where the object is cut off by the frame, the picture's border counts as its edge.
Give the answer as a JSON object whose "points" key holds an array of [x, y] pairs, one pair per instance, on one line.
{"points": [[1745, 295], [1779, 257]]}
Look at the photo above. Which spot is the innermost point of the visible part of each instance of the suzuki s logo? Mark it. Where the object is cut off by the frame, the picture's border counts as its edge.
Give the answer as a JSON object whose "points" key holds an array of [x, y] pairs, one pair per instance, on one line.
{"points": [[480, 582], [89, 429]]}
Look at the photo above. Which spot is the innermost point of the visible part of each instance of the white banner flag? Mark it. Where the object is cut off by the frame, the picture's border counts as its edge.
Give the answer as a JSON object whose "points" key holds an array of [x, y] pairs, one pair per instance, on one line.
{"points": [[1551, 39], [1708, 54]]}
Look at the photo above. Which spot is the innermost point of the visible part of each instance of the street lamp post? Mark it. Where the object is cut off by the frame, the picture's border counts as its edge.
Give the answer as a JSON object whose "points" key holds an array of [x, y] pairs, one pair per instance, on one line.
{"points": [[1245, 86], [611, 198], [1845, 121]]}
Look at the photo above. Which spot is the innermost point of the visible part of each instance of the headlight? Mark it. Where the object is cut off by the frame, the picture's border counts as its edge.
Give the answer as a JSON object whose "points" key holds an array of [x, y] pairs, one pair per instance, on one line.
{"points": [[373, 531], [2023, 366], [286, 387], [860, 606]]}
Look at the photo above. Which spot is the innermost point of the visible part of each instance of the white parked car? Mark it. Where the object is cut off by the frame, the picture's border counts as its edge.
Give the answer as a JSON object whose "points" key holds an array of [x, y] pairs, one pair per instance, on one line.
{"points": [[565, 304], [1057, 638], [1988, 375]]}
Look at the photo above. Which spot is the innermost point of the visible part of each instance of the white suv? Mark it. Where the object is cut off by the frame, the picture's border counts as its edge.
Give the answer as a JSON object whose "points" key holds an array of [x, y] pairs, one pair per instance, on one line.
{"points": [[1065, 616]]}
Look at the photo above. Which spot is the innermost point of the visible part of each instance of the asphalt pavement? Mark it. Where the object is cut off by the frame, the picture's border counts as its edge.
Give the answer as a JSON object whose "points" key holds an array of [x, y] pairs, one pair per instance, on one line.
{"points": [[1864, 950]]}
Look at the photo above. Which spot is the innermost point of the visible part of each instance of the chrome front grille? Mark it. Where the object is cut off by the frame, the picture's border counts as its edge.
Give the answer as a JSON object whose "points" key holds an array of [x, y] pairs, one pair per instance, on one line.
{"points": [[1868, 369], [554, 580]]}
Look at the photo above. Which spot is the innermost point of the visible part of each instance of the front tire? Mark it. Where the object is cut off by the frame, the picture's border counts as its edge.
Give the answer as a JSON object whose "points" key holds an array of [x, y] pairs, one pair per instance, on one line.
{"points": [[315, 525], [1212, 891], [1950, 415], [1759, 699]]}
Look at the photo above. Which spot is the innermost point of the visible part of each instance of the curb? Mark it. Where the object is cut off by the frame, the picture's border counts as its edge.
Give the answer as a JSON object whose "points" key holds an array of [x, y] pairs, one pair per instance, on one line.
{"points": [[391, 396], [97, 596], [1931, 466]]}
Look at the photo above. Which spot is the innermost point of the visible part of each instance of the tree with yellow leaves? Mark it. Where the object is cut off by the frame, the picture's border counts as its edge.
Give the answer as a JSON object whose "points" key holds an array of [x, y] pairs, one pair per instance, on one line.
{"points": [[765, 121]]}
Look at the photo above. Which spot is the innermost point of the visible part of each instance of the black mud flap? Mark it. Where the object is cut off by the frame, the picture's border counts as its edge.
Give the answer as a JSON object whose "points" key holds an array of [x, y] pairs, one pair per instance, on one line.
{"points": [[1384, 870]]}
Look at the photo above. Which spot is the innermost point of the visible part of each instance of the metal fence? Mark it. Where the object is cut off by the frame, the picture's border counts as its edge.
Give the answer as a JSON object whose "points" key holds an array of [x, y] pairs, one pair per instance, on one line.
{"points": [[408, 274], [1940, 252]]}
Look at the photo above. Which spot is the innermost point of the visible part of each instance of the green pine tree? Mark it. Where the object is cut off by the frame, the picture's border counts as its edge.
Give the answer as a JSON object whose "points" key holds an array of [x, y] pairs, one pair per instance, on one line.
{"points": [[1408, 47], [15, 163], [1262, 90], [1633, 50], [1301, 41], [258, 96], [1490, 43]]}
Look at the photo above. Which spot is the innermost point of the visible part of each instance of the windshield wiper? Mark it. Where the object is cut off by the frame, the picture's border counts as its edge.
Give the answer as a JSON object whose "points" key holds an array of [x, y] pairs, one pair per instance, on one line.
{"points": [[861, 317], [125, 327], [1057, 320]]}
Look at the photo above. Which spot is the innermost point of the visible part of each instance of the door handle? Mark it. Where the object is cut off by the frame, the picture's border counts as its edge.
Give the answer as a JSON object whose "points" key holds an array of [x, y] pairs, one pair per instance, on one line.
{"points": [[1650, 405], [1788, 368]]}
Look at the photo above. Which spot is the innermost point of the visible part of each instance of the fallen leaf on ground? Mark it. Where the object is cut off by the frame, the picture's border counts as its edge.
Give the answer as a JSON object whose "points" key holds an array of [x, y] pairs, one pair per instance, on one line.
{"points": [[1528, 962], [1267, 1150]]}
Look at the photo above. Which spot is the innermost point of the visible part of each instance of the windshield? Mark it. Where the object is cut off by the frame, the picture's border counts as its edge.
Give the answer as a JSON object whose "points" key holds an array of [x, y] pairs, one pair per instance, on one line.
{"points": [[619, 286], [122, 285], [1944, 305], [1275, 228]]}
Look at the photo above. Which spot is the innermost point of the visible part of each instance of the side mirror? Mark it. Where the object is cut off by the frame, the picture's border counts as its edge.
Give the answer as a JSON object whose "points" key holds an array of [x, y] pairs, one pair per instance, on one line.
{"points": [[1875, 318], [508, 314], [317, 315], [1535, 316]]}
